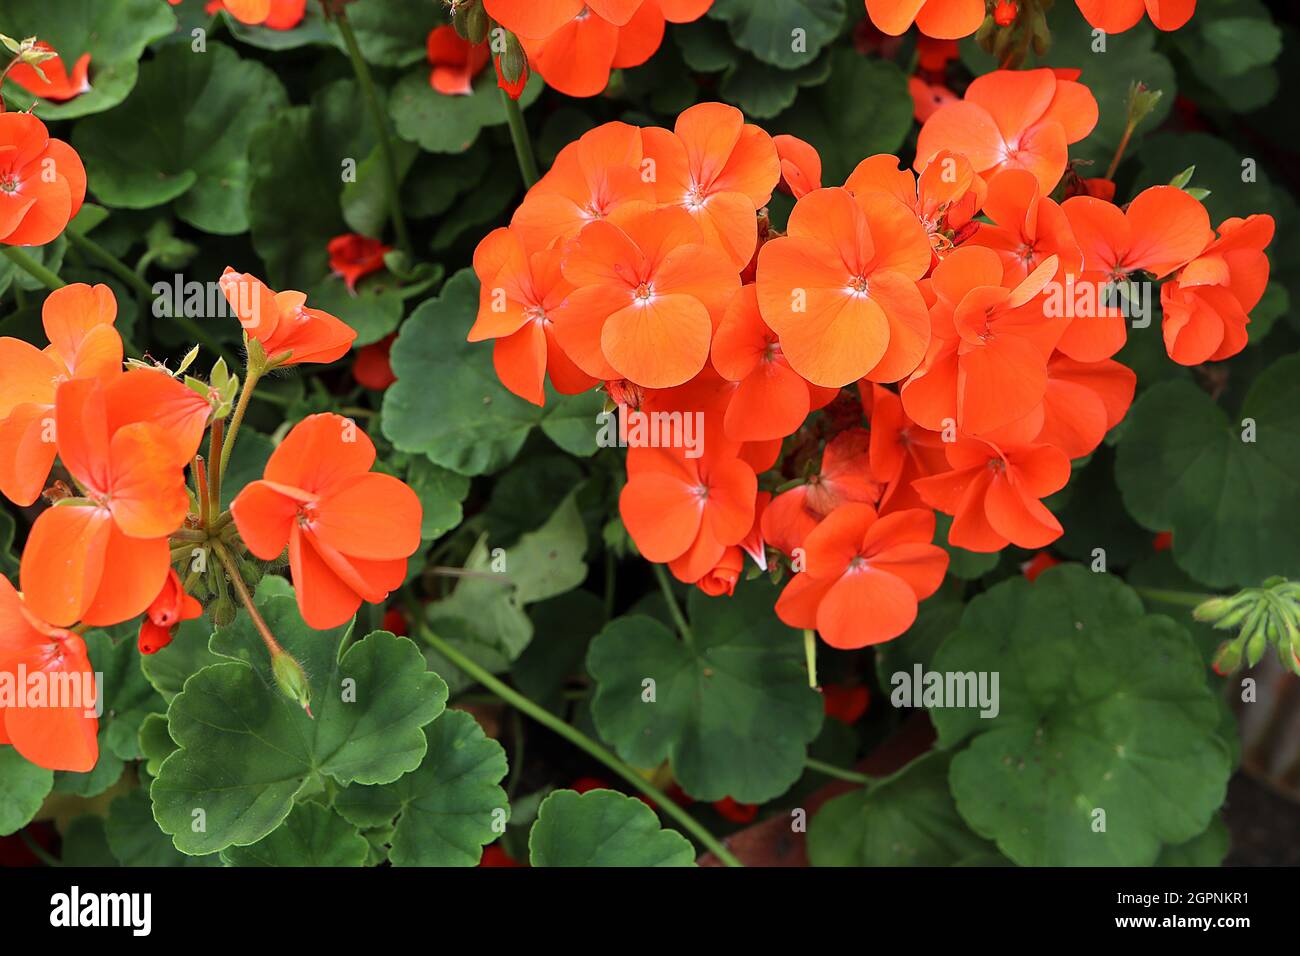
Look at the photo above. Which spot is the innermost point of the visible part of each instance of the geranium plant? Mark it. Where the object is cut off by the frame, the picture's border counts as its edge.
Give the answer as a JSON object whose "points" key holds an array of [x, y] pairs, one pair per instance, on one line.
{"points": [[395, 395]]}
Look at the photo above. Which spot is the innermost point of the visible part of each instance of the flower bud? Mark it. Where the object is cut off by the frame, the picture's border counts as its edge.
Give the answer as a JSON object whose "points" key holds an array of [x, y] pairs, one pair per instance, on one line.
{"points": [[1227, 658], [222, 611], [291, 679]]}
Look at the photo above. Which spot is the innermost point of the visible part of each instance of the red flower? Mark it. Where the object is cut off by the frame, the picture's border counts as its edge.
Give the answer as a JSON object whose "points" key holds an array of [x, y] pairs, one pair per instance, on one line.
{"points": [[169, 608], [845, 704], [455, 61], [354, 257], [372, 368], [736, 812]]}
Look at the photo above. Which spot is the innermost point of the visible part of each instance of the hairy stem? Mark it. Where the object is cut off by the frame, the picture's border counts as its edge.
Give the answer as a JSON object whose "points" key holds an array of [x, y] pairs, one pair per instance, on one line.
{"points": [[519, 136]]}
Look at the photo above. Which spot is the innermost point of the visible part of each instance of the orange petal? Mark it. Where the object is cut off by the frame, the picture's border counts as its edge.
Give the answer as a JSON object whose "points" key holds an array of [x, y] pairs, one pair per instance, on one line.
{"points": [[321, 452], [376, 517], [63, 562]]}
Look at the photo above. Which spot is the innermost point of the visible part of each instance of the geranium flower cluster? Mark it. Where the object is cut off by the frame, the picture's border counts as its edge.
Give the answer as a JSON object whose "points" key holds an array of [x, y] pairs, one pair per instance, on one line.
{"points": [[126, 535], [954, 327]]}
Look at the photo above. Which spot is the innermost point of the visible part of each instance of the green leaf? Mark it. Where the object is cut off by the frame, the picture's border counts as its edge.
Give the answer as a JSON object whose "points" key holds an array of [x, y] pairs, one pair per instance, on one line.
{"points": [[908, 819], [783, 33], [8, 560], [135, 840], [1208, 849], [374, 310], [1183, 467], [603, 828], [85, 844], [114, 34], [449, 807], [450, 124], [936, 618], [705, 45], [393, 33], [203, 109], [311, 835], [878, 122], [298, 160], [562, 631], [547, 562], [313, 29], [1101, 708], [762, 92], [448, 403], [168, 669], [23, 788], [246, 750], [441, 493], [732, 710], [156, 743]]}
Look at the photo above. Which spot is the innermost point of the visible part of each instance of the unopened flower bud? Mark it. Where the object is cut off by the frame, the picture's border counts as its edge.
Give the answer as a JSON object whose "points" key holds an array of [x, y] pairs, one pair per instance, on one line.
{"points": [[291, 679]]}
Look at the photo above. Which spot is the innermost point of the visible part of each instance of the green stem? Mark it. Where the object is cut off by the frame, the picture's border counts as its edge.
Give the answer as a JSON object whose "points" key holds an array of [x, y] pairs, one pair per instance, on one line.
{"points": [[1184, 598], [678, 618], [246, 599], [33, 268], [830, 770], [367, 83], [577, 738], [810, 655], [214, 486], [252, 374], [519, 136]]}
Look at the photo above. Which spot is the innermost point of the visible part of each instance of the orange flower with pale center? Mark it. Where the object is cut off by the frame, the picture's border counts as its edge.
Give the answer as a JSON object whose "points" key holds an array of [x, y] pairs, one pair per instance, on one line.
{"points": [[290, 333], [42, 182], [349, 530]]}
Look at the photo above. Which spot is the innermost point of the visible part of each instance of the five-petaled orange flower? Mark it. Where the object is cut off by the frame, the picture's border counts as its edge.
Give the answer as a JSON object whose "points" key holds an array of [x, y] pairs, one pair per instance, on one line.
{"points": [[1013, 119], [864, 575], [290, 333], [845, 476], [63, 734], [518, 293], [42, 182], [78, 321], [686, 511], [718, 168], [840, 288], [648, 291], [101, 557], [349, 530]]}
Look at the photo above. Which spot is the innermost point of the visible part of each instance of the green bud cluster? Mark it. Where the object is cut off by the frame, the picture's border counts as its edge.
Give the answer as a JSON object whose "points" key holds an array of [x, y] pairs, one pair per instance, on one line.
{"points": [[1263, 616]]}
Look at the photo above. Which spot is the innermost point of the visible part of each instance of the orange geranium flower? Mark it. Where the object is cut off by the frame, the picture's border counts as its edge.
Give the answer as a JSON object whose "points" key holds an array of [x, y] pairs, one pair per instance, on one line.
{"points": [[518, 293], [251, 12], [771, 399], [1116, 16], [1206, 305], [687, 511], [290, 333], [78, 321], [42, 182], [1013, 119], [994, 494], [845, 476], [801, 165], [589, 180], [577, 57], [55, 737], [864, 576], [353, 257], [349, 531], [165, 612], [718, 168], [1083, 401], [901, 452], [57, 85], [1027, 227], [945, 197], [455, 61], [102, 558], [840, 288], [648, 292], [944, 19], [722, 578], [995, 370], [1162, 229]]}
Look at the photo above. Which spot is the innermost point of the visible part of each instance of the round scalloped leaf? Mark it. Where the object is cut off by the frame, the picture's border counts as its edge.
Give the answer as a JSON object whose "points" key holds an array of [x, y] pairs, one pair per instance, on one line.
{"points": [[168, 669], [393, 33], [732, 711], [23, 788], [246, 750], [1207, 849], [449, 807], [1184, 467], [135, 840], [450, 124], [312, 29], [202, 110], [448, 403], [114, 34], [783, 33], [603, 828], [908, 819], [1105, 745], [311, 835]]}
